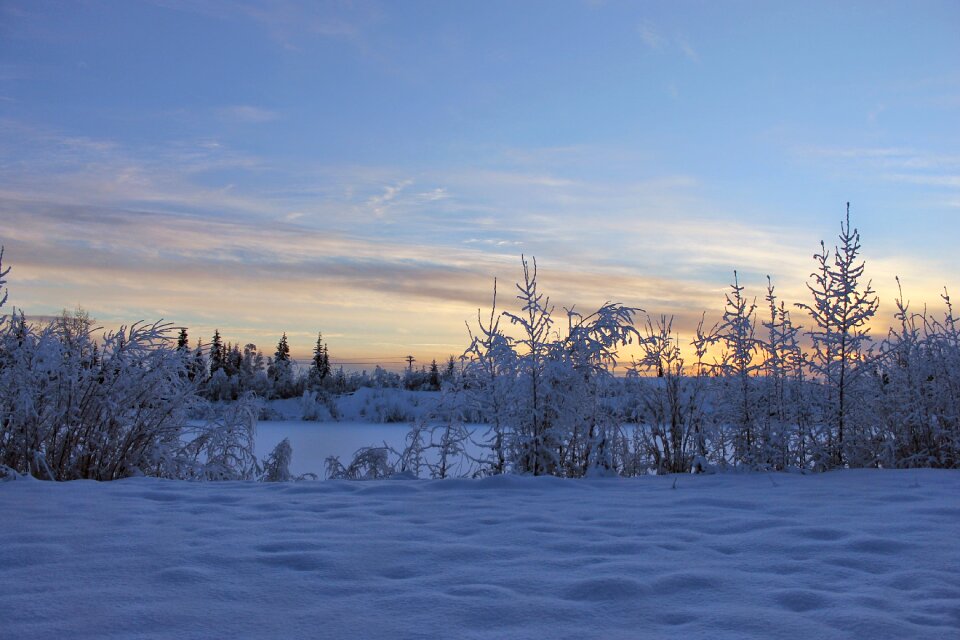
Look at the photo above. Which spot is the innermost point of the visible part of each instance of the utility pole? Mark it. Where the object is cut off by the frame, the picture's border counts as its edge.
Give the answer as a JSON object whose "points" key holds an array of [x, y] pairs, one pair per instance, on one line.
{"points": [[410, 361]]}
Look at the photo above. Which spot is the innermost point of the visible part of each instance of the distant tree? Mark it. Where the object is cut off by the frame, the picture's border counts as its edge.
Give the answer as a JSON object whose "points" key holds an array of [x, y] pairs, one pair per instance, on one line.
{"points": [[233, 363], [216, 352], [841, 309], [320, 365], [198, 367], [737, 367], [282, 354], [434, 376], [281, 371], [786, 414], [183, 343]]}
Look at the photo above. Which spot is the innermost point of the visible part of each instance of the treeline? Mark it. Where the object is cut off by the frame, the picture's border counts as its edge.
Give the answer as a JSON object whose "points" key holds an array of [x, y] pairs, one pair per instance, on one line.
{"points": [[224, 372]]}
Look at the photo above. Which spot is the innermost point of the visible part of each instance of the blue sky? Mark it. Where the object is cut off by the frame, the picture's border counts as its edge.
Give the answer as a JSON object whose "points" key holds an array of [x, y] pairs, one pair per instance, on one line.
{"points": [[367, 169]]}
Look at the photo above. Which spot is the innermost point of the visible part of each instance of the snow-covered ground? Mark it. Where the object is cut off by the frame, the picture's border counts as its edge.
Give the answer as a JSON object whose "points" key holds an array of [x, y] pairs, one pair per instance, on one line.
{"points": [[849, 554]]}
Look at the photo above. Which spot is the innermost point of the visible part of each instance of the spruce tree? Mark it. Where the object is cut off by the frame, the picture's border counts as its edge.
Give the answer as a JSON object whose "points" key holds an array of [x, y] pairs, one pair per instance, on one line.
{"points": [[841, 309], [216, 352], [182, 341], [320, 366], [282, 353], [198, 368]]}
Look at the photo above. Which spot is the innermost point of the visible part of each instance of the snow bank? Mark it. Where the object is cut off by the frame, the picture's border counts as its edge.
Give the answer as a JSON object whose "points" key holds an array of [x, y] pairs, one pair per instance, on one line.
{"points": [[869, 554]]}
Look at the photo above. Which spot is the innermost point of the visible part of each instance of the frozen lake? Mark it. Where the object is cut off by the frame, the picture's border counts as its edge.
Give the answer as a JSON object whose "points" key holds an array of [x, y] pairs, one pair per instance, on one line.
{"points": [[313, 442]]}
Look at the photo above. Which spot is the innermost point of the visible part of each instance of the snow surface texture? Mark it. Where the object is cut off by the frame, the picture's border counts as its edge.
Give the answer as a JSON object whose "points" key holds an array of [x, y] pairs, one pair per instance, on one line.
{"points": [[850, 554]]}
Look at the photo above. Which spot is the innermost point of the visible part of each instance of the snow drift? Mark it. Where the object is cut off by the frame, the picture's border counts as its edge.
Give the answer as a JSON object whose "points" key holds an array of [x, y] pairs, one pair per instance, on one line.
{"points": [[860, 553]]}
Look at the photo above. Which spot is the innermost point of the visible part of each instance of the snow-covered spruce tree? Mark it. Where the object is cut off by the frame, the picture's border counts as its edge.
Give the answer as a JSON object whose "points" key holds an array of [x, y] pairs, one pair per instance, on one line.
{"points": [[197, 371], [183, 341], [216, 355], [841, 308], [320, 363], [281, 371], [786, 417], [253, 376], [737, 368]]}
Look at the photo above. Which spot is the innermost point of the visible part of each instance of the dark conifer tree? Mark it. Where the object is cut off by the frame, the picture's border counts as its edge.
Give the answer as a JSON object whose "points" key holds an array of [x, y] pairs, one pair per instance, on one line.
{"points": [[198, 369], [182, 341], [233, 360], [320, 366], [434, 378], [282, 353], [216, 352]]}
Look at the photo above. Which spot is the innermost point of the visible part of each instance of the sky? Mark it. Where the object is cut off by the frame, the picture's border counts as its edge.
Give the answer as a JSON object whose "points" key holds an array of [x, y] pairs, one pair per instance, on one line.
{"points": [[366, 169]]}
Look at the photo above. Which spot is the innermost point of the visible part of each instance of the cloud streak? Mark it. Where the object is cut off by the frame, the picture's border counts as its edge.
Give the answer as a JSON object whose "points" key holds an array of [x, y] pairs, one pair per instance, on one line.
{"points": [[374, 254]]}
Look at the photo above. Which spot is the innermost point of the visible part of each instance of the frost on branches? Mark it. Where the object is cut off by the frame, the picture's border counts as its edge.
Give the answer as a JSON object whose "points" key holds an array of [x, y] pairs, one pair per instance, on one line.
{"points": [[544, 393], [73, 406]]}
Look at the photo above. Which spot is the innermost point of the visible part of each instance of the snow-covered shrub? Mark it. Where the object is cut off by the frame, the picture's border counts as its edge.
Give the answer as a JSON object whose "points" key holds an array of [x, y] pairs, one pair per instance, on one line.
{"points": [[221, 449], [369, 463], [918, 390], [73, 406], [448, 455], [670, 429], [72, 409], [540, 392], [316, 405], [276, 468]]}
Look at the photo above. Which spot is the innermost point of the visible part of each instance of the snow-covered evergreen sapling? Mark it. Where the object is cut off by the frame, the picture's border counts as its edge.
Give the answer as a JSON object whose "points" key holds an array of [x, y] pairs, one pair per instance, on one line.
{"points": [[841, 310]]}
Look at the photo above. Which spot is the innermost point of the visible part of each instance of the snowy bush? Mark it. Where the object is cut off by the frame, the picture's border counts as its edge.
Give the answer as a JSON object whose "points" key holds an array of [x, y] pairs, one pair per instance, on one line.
{"points": [[276, 468], [369, 463], [73, 406], [542, 393]]}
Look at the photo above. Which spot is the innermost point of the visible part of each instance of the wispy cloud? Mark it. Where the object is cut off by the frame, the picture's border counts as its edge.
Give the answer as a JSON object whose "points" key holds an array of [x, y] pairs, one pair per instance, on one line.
{"points": [[363, 251], [289, 23], [687, 49], [650, 36], [654, 40], [247, 114], [896, 164]]}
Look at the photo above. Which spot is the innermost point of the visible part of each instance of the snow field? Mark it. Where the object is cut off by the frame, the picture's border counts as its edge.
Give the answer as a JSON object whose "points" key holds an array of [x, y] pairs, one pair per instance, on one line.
{"points": [[848, 554]]}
